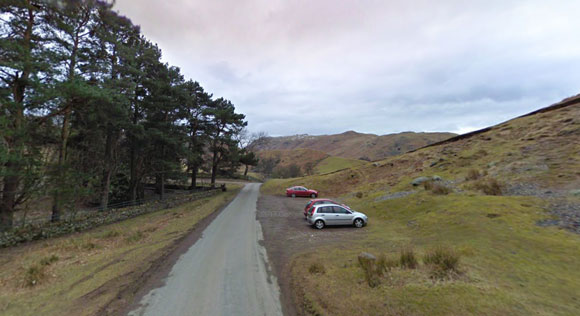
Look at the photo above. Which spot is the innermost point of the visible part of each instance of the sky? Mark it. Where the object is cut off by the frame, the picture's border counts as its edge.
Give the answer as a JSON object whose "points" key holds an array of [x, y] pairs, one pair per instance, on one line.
{"points": [[373, 66]]}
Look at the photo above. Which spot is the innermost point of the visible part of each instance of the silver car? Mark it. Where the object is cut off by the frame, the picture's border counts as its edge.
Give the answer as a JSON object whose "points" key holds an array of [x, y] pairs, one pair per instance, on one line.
{"points": [[332, 214]]}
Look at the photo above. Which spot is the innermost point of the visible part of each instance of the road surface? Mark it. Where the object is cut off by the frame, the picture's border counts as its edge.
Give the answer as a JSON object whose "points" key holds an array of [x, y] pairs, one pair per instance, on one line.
{"points": [[226, 272]]}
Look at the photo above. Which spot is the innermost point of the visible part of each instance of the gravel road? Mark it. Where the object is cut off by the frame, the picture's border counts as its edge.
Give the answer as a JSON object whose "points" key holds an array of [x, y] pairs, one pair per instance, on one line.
{"points": [[226, 272]]}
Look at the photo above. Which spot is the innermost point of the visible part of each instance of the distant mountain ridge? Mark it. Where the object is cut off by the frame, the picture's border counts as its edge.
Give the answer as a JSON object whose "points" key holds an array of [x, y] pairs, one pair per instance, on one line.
{"points": [[355, 145]]}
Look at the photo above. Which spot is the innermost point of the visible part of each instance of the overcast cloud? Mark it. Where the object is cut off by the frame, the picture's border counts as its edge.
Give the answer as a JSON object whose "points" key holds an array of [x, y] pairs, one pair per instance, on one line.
{"points": [[374, 66]]}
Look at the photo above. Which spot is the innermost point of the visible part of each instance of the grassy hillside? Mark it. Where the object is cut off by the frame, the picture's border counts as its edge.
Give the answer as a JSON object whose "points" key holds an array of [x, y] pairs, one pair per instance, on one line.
{"points": [[356, 145], [504, 197], [332, 164], [301, 157]]}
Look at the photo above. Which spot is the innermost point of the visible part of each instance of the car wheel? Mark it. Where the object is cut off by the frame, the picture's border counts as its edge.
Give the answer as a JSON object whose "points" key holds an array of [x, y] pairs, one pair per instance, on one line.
{"points": [[358, 223], [312, 195], [319, 224], [293, 195]]}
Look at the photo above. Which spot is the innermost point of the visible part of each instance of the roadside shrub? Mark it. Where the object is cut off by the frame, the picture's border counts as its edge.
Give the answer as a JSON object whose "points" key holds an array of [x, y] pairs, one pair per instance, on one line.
{"points": [[316, 268], [489, 186], [408, 259], [473, 174], [443, 261]]}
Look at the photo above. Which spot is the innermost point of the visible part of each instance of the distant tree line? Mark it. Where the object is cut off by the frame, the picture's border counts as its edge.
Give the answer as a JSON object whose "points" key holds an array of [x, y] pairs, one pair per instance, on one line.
{"points": [[89, 111]]}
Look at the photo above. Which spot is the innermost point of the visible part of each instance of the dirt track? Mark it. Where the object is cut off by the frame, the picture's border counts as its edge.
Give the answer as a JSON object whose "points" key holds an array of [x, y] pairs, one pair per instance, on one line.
{"points": [[287, 234]]}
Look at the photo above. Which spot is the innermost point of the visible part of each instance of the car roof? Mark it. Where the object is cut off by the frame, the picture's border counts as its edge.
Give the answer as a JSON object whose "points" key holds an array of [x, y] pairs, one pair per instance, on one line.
{"points": [[321, 205], [321, 199]]}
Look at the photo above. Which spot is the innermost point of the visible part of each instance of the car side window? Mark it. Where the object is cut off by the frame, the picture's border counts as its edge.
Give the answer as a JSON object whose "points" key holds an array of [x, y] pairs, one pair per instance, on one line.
{"points": [[325, 210], [340, 210]]}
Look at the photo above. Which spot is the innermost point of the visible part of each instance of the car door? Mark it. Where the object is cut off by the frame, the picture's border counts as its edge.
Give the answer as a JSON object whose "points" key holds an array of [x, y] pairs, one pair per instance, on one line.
{"points": [[328, 213], [342, 215]]}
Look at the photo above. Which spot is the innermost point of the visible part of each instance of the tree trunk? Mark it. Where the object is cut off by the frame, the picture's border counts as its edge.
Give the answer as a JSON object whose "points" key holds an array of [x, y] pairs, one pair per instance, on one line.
{"points": [[214, 167], [160, 185], [108, 168], [246, 171], [65, 131], [11, 184], [193, 178]]}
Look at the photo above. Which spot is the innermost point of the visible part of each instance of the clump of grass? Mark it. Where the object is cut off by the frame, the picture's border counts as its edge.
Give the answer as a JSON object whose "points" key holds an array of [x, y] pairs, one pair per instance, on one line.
{"points": [[359, 195], [440, 189], [489, 186], [436, 188], [473, 174], [34, 275], [89, 245], [316, 268], [135, 236], [443, 261], [385, 264], [46, 261], [408, 259], [110, 234]]}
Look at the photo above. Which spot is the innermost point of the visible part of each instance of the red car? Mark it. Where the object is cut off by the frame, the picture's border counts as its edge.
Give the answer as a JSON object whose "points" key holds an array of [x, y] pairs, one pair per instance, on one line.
{"points": [[301, 191], [313, 202]]}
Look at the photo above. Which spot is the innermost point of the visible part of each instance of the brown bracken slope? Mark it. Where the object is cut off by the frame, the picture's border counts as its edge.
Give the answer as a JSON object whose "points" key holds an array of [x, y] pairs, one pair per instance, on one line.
{"points": [[356, 145]]}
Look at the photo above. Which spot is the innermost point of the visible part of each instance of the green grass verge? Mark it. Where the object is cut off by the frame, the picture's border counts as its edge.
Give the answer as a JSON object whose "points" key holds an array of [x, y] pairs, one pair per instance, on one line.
{"points": [[78, 274]]}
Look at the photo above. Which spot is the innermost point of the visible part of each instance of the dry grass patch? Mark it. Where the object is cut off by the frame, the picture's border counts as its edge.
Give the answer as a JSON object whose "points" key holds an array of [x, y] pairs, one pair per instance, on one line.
{"points": [[443, 262], [408, 259], [472, 174], [316, 268], [489, 186]]}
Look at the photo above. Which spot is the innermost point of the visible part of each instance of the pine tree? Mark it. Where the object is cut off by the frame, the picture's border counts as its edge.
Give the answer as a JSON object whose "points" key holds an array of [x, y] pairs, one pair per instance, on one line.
{"points": [[225, 123], [23, 75]]}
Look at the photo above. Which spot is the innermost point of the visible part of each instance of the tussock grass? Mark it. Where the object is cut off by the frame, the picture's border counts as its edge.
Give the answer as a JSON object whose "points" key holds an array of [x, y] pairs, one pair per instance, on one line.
{"points": [[110, 234], [408, 259], [387, 264], [442, 260], [34, 275], [489, 186], [46, 261], [473, 174], [436, 188], [316, 268]]}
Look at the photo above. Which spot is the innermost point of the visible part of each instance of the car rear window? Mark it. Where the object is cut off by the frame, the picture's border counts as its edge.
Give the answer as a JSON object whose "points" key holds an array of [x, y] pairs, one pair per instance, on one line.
{"points": [[325, 209]]}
